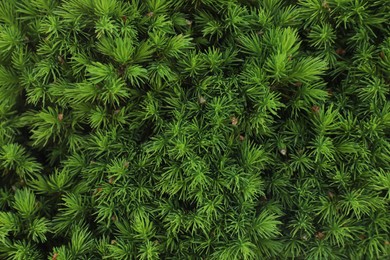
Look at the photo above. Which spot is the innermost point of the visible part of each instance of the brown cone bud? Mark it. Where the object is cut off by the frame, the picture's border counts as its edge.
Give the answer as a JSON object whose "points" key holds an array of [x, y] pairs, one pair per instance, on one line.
{"points": [[111, 180], [234, 120], [202, 100], [61, 60], [340, 51], [325, 5], [60, 117], [319, 235], [315, 109]]}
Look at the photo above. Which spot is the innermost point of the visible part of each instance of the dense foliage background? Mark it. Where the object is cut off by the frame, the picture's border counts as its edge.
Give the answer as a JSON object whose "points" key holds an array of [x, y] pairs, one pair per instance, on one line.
{"points": [[194, 129]]}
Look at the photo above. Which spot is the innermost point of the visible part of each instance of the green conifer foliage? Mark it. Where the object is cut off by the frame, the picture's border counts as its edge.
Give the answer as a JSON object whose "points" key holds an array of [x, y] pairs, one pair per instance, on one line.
{"points": [[194, 129]]}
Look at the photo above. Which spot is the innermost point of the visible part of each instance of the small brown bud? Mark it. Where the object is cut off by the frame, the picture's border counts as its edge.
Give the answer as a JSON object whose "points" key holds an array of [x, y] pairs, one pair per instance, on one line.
{"points": [[60, 117], [325, 5], [113, 242], [242, 138], [319, 235], [113, 218], [330, 194], [124, 18], [362, 237], [117, 111], [111, 180], [382, 54], [202, 100], [340, 51], [387, 243], [298, 84], [126, 164], [54, 257], [150, 14], [234, 120], [61, 60], [315, 109]]}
